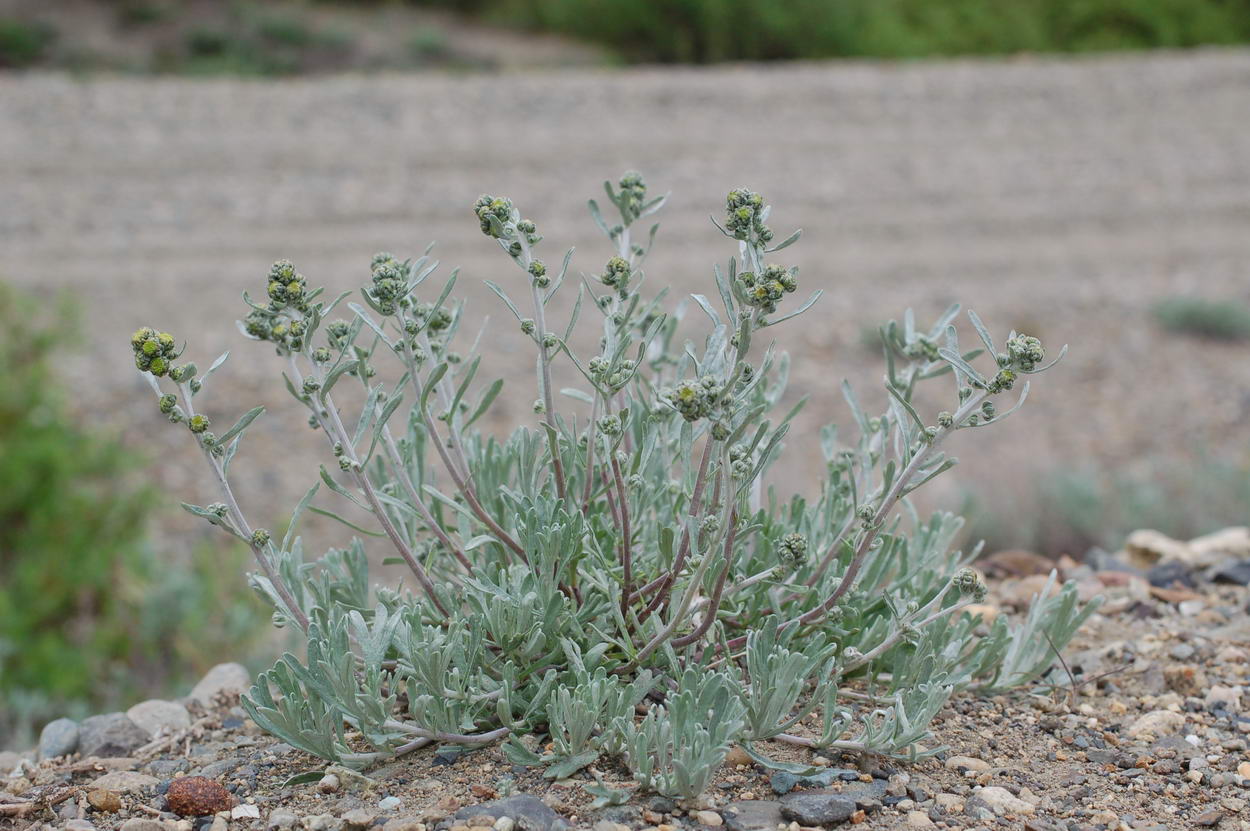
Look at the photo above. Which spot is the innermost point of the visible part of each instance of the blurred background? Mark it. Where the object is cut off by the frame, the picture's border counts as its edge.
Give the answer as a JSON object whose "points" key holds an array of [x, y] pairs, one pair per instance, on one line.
{"points": [[1075, 169]]}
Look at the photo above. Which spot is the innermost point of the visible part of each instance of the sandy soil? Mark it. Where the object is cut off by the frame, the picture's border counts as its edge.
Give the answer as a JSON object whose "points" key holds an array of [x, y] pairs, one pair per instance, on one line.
{"points": [[1063, 197]]}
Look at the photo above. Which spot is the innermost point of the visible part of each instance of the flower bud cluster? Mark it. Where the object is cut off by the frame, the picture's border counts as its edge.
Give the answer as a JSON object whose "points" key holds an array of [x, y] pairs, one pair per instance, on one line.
{"points": [[287, 287], [616, 275], [613, 377], [793, 550], [743, 218], [693, 399], [763, 291], [968, 583], [493, 213], [390, 284], [633, 194], [154, 351], [1025, 352]]}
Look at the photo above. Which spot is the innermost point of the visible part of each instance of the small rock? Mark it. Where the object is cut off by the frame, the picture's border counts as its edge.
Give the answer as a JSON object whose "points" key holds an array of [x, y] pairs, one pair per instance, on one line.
{"points": [[737, 756], [1230, 543], [106, 801], [125, 781], [1223, 697], [752, 815], [1156, 723], [708, 818], [226, 679], [1236, 573], [817, 808], [58, 738], [1145, 548], [220, 768], [965, 763], [405, 824], [504, 824], [282, 818], [195, 796], [156, 716], [142, 824], [390, 803], [245, 811], [949, 802], [529, 812], [110, 735], [1002, 802], [77, 825], [329, 822], [359, 818], [918, 819], [1166, 575], [329, 783], [1209, 818]]}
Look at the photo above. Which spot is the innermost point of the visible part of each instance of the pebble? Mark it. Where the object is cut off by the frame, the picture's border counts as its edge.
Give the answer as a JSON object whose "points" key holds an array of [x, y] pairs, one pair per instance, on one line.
{"points": [[106, 801], [814, 808], [125, 781], [58, 738], [226, 679], [326, 822], [1156, 723], [708, 818], [143, 824], [1002, 802], [282, 818], [245, 811], [156, 716], [329, 783], [78, 825], [919, 819], [359, 818], [390, 803], [110, 735], [967, 763]]}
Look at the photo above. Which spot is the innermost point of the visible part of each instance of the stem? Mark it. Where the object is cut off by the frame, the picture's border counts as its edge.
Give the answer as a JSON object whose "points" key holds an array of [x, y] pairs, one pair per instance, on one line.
{"points": [[714, 604], [401, 471], [627, 564], [590, 454], [240, 522], [544, 361]]}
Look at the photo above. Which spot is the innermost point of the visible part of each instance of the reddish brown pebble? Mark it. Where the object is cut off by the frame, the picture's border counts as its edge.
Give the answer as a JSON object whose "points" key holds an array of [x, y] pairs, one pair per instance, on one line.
{"points": [[483, 791], [198, 796], [104, 801]]}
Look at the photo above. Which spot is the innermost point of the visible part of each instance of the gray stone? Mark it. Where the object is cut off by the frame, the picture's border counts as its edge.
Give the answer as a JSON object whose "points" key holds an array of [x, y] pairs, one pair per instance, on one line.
{"points": [[166, 768], [142, 824], [58, 738], [529, 812], [125, 781], [867, 795], [282, 818], [224, 679], [817, 808], [155, 715], [78, 825], [752, 815], [783, 781], [110, 735], [1237, 573], [220, 768]]}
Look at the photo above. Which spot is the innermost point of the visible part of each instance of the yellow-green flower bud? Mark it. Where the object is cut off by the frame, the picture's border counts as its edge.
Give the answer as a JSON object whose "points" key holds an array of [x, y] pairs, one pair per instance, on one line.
{"points": [[198, 423]]}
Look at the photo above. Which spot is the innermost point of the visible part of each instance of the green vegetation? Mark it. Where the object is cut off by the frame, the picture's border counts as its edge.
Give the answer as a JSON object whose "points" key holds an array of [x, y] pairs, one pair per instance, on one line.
{"points": [[1073, 511], [1214, 319], [23, 43], [703, 31], [89, 614]]}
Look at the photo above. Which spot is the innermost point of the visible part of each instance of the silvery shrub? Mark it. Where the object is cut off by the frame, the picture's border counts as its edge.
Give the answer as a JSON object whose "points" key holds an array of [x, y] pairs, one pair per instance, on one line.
{"points": [[615, 579]]}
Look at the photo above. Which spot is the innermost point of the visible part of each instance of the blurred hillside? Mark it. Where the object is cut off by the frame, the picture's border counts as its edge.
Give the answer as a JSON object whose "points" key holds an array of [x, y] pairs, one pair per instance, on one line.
{"points": [[284, 37]]}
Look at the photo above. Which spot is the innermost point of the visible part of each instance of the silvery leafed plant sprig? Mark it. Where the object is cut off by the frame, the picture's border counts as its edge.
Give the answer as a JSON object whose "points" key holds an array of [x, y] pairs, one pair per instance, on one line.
{"points": [[616, 569]]}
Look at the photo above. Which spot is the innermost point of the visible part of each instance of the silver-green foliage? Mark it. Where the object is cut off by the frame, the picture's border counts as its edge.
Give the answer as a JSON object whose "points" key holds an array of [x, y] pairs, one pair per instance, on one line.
{"points": [[616, 575]]}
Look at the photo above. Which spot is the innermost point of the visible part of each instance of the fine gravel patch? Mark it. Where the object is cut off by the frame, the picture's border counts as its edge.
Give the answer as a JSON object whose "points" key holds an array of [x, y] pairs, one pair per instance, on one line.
{"points": [[1062, 197]]}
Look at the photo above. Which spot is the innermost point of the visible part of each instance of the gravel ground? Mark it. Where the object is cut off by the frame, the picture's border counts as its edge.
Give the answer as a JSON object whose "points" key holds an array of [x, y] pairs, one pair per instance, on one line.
{"points": [[1058, 196]]}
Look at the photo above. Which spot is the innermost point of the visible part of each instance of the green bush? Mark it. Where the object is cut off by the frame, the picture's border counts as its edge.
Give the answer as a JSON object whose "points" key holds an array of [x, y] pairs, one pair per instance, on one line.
{"points": [[717, 30], [23, 43], [1215, 319], [86, 608]]}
